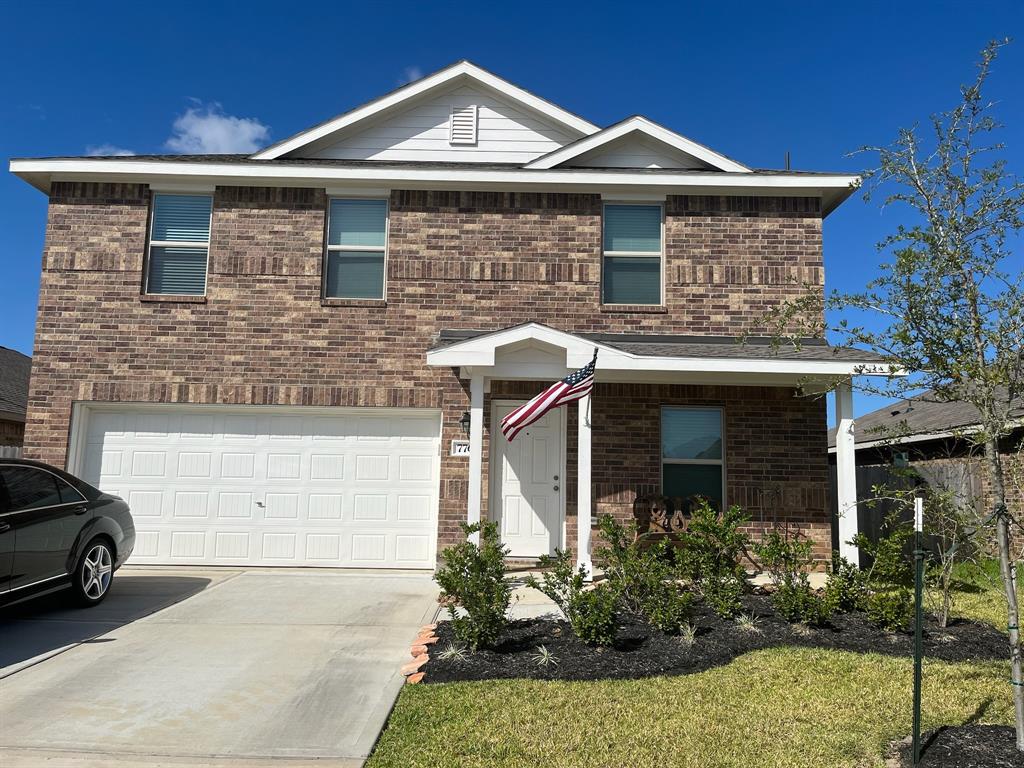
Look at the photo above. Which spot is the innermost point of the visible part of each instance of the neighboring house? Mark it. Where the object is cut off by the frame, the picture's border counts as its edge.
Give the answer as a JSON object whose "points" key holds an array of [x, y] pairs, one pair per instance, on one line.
{"points": [[929, 438], [14, 374], [299, 357]]}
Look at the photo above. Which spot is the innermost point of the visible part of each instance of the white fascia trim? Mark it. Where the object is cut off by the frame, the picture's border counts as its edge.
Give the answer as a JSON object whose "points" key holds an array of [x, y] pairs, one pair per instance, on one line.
{"points": [[419, 87], [923, 437], [479, 352], [41, 172], [646, 127], [183, 188]]}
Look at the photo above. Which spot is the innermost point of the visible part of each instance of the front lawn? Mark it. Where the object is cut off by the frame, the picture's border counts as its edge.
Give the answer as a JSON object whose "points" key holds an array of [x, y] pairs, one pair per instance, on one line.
{"points": [[777, 708]]}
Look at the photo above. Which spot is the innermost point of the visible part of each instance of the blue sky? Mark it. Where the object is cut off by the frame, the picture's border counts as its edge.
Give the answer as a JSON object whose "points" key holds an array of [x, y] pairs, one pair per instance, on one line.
{"points": [[751, 80]]}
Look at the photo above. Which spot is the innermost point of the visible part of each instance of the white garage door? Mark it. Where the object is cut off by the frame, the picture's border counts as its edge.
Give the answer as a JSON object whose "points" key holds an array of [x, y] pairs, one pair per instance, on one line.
{"points": [[263, 486]]}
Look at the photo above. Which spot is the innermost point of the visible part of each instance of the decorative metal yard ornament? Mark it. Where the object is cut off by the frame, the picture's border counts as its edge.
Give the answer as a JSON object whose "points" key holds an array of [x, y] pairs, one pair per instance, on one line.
{"points": [[918, 622]]}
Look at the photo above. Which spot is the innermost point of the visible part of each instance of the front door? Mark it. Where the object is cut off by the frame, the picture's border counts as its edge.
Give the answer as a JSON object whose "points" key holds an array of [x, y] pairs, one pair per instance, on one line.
{"points": [[529, 483]]}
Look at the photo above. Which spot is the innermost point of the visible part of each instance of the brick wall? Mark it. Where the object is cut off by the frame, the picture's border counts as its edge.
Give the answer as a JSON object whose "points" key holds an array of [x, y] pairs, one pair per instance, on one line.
{"points": [[262, 335]]}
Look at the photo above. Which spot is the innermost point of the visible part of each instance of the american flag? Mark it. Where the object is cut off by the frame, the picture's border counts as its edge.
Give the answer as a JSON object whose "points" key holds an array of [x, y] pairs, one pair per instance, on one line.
{"points": [[572, 387]]}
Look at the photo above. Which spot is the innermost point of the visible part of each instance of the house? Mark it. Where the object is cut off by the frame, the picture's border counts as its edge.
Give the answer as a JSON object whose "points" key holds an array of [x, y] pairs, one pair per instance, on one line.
{"points": [[923, 439], [299, 357], [14, 375]]}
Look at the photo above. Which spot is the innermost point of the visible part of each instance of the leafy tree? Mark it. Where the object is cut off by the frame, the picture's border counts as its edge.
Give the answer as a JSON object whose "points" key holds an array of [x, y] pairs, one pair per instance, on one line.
{"points": [[947, 305]]}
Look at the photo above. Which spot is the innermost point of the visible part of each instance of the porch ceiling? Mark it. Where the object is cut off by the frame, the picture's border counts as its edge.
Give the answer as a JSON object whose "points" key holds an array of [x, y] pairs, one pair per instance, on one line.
{"points": [[536, 351]]}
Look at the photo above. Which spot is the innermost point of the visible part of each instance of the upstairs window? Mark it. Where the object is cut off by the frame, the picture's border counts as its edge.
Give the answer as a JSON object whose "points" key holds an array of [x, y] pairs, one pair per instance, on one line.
{"points": [[179, 244], [356, 249], [692, 461], [632, 255]]}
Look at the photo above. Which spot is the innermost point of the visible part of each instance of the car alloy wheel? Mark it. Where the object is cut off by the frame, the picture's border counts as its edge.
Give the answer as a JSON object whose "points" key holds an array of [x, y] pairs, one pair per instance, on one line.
{"points": [[97, 571]]}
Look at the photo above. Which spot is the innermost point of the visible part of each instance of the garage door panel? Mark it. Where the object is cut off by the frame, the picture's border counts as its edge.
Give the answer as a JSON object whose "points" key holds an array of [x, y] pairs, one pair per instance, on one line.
{"points": [[357, 488]]}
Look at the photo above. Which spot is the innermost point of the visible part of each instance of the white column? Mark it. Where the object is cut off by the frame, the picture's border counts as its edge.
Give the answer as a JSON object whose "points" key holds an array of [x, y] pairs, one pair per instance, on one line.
{"points": [[583, 486], [476, 450], [846, 473]]}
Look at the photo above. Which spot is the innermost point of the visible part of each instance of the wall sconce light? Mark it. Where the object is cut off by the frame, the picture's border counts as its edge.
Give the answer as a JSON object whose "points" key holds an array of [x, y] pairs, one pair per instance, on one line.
{"points": [[464, 422]]}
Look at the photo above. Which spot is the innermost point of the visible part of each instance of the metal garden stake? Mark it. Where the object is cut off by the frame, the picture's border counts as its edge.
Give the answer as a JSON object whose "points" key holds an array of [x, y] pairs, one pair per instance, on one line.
{"points": [[918, 620]]}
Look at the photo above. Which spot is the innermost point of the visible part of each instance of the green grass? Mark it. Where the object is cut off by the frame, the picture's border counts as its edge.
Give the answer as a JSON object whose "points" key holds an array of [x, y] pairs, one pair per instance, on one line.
{"points": [[778, 708], [981, 595]]}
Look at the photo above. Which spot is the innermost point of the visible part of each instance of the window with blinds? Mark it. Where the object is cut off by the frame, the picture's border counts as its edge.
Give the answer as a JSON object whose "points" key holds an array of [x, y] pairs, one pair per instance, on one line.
{"points": [[632, 254], [692, 459], [356, 249], [179, 244]]}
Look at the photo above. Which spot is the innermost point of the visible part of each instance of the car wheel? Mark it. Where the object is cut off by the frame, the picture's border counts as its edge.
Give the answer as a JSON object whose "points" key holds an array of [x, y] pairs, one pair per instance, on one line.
{"points": [[95, 573]]}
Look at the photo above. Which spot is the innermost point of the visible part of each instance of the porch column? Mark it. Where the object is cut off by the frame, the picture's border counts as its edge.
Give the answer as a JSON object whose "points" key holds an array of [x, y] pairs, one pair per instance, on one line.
{"points": [[846, 472], [476, 451], [583, 486]]}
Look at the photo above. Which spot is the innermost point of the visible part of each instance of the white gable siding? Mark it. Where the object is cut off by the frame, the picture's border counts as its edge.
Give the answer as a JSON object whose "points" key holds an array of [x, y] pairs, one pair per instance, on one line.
{"points": [[505, 133], [636, 152]]}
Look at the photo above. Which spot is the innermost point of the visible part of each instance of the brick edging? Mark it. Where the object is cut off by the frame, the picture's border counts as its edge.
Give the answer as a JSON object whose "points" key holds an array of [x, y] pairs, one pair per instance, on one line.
{"points": [[418, 651]]}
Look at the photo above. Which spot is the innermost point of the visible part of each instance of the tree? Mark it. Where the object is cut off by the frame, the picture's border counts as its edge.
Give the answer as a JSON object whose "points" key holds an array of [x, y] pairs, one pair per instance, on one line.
{"points": [[947, 305]]}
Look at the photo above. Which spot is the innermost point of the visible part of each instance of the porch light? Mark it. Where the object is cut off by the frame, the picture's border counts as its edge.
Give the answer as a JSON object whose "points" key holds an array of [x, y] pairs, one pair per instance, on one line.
{"points": [[464, 422]]}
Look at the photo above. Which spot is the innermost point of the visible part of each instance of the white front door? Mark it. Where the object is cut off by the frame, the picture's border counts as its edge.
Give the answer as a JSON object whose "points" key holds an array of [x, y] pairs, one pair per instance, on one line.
{"points": [[529, 483]]}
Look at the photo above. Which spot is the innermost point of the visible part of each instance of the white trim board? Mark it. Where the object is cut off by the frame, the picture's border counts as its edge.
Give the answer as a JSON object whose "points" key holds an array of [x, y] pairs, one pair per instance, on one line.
{"points": [[462, 69]]}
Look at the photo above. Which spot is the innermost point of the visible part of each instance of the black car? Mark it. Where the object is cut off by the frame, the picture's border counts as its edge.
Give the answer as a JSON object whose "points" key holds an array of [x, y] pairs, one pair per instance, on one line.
{"points": [[57, 531]]}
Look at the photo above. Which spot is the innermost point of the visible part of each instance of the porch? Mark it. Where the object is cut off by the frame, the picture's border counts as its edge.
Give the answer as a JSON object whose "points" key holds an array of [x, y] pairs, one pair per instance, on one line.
{"points": [[677, 415]]}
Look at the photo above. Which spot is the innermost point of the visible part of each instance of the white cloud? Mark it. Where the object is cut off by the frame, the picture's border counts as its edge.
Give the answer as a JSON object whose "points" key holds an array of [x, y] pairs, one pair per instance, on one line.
{"points": [[205, 129], [107, 150], [409, 74]]}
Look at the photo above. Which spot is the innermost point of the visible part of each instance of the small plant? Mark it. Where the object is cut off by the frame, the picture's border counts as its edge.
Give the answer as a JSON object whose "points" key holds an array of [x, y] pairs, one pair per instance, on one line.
{"points": [[453, 652], [802, 630], [591, 612], [473, 578], [749, 623], [890, 610], [688, 635], [787, 558], [846, 589], [892, 564], [709, 556], [642, 576], [545, 658]]}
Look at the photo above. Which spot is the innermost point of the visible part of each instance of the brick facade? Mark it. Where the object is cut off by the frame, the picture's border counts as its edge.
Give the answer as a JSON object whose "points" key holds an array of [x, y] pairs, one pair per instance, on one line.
{"points": [[262, 334]]}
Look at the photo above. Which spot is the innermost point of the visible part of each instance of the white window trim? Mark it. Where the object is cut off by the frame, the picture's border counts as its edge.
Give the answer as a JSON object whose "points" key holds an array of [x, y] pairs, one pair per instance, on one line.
{"points": [[694, 462], [176, 243], [328, 249], [635, 254]]}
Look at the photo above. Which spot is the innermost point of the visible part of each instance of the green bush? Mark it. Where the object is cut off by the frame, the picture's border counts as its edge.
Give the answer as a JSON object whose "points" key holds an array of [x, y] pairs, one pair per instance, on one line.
{"points": [[891, 610], [787, 558], [473, 577], [592, 613], [847, 586], [642, 576], [709, 556], [892, 564], [796, 602]]}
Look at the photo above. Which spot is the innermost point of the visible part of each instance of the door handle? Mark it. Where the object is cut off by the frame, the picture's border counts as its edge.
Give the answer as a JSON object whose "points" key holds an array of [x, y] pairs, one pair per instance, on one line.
{"points": [[81, 509], [556, 487], [4, 527]]}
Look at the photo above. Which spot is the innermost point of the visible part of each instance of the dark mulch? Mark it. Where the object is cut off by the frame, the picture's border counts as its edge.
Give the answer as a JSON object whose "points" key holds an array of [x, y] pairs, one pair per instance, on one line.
{"points": [[643, 652], [966, 746]]}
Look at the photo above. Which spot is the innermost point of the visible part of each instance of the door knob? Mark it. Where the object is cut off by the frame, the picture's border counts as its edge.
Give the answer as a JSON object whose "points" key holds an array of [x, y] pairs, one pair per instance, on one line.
{"points": [[556, 487], [556, 477]]}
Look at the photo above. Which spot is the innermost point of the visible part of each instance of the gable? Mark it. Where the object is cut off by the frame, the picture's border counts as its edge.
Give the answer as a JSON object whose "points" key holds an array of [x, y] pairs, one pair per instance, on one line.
{"points": [[524, 118], [637, 142], [489, 128], [637, 151]]}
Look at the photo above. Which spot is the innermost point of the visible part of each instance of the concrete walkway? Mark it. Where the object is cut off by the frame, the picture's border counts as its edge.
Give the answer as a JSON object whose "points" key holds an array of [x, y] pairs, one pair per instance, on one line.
{"points": [[259, 668]]}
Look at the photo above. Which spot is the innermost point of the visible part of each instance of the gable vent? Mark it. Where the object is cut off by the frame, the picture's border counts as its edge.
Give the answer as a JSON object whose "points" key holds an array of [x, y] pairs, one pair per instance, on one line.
{"points": [[462, 125]]}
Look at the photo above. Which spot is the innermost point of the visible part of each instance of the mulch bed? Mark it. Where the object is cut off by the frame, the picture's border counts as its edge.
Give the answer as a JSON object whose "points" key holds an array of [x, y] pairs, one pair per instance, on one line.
{"points": [[643, 652], [966, 746]]}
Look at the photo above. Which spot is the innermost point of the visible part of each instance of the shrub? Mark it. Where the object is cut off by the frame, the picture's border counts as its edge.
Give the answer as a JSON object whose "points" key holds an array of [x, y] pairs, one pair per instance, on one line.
{"points": [[892, 564], [787, 558], [642, 576], [473, 577], [796, 602], [709, 555], [847, 587], [891, 610], [590, 612]]}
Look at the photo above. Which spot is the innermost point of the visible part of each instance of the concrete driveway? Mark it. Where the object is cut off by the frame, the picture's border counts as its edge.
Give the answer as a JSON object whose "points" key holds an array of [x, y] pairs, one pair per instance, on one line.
{"points": [[245, 667]]}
